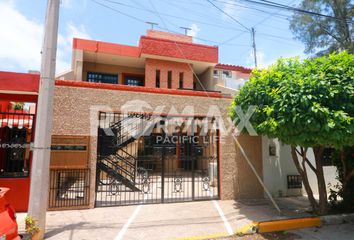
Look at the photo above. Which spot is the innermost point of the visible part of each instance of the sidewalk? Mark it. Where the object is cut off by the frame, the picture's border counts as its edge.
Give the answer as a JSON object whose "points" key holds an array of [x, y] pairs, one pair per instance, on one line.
{"points": [[164, 221]]}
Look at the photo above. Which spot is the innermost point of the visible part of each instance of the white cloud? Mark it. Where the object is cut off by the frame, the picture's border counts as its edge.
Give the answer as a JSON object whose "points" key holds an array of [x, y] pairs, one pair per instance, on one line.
{"points": [[264, 61], [66, 3], [261, 63], [71, 31], [229, 8], [21, 41], [70, 4], [194, 30]]}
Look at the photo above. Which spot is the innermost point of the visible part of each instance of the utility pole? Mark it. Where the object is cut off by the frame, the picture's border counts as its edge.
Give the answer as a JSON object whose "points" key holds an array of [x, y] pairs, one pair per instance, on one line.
{"points": [[254, 46], [41, 150]]}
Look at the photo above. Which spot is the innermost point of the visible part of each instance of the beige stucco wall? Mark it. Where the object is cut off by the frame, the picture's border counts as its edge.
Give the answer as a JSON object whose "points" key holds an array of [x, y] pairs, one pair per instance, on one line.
{"points": [[246, 184], [76, 109]]}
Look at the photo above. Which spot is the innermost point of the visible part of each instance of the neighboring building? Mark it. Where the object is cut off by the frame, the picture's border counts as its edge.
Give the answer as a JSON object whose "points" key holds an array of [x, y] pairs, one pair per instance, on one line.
{"points": [[135, 124], [230, 78], [281, 176]]}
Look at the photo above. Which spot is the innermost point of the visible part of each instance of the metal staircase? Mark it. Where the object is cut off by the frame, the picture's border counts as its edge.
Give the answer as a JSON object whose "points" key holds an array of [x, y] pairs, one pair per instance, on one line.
{"points": [[113, 159]]}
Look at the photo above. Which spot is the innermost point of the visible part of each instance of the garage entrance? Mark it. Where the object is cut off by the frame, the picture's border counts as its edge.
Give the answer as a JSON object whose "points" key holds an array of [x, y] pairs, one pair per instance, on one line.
{"points": [[146, 158]]}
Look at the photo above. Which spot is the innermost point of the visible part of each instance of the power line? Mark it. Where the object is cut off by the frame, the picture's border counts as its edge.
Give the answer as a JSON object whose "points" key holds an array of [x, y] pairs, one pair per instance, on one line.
{"points": [[158, 27], [173, 16], [197, 38], [286, 7], [303, 10], [251, 30], [221, 10]]}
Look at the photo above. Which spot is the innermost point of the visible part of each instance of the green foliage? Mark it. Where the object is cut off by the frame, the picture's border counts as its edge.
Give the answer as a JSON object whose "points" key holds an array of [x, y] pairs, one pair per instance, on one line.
{"points": [[18, 106], [31, 225], [306, 103], [323, 34]]}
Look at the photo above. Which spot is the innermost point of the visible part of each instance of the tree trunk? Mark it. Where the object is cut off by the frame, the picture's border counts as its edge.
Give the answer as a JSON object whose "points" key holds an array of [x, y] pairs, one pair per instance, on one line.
{"points": [[305, 181], [345, 174], [322, 190]]}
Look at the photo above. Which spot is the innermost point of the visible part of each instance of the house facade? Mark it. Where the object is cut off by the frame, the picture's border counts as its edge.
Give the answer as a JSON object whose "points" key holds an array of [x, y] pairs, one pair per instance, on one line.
{"points": [[137, 124]]}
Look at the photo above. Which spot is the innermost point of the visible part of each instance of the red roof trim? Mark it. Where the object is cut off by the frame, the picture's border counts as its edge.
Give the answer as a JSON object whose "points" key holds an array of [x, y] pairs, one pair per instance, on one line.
{"points": [[179, 42], [82, 84], [106, 47], [19, 82], [234, 68]]}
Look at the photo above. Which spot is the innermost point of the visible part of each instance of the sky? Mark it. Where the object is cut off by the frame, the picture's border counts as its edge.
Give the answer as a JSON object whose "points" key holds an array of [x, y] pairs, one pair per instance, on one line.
{"points": [[123, 21]]}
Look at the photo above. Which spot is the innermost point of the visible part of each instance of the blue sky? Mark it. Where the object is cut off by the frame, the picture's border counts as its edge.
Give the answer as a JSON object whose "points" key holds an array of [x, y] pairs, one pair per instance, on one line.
{"points": [[21, 22]]}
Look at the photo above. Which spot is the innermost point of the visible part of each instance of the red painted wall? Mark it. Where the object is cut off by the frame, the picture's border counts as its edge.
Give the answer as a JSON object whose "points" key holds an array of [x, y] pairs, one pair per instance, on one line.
{"points": [[105, 47], [24, 82], [182, 50], [151, 65], [18, 195]]}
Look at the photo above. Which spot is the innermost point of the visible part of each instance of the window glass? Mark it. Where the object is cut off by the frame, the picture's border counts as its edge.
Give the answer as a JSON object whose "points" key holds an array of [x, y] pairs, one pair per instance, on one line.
{"points": [[169, 79], [134, 80], [216, 73], [227, 74], [14, 152], [102, 77], [327, 159], [157, 78], [181, 76]]}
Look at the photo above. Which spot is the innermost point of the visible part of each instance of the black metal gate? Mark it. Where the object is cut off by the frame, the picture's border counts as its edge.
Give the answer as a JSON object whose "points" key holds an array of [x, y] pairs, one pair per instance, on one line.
{"points": [[154, 159], [16, 128]]}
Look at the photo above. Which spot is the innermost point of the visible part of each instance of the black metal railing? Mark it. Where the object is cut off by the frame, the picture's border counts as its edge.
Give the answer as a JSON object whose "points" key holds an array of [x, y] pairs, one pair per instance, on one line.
{"points": [[294, 181], [69, 188], [16, 127]]}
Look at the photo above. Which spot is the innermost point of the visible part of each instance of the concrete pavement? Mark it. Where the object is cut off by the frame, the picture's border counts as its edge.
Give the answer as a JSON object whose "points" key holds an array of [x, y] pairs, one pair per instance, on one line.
{"points": [[159, 221]]}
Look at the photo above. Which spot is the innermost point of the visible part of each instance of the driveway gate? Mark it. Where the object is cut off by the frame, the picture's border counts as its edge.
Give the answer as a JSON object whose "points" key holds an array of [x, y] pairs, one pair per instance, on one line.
{"points": [[153, 159]]}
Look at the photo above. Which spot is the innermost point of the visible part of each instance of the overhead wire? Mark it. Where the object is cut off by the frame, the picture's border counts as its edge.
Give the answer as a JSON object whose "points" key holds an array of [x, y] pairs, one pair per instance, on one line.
{"points": [[271, 4]]}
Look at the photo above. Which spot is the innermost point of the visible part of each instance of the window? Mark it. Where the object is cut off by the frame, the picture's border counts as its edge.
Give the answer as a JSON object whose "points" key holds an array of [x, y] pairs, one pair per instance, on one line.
{"points": [[133, 80], [227, 74], [194, 85], [169, 79], [181, 79], [327, 159], [157, 78], [216, 73], [14, 151], [102, 77]]}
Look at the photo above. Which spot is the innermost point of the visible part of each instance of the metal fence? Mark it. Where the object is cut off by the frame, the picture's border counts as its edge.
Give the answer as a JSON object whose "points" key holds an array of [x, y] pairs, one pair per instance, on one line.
{"points": [[69, 188], [294, 181]]}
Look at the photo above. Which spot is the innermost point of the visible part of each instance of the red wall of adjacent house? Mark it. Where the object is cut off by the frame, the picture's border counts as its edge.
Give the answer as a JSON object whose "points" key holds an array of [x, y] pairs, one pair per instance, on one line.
{"points": [[15, 84], [18, 196], [19, 82], [151, 65]]}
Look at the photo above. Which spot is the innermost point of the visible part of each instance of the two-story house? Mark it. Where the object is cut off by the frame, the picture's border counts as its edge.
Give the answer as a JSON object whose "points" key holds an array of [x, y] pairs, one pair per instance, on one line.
{"points": [[142, 124]]}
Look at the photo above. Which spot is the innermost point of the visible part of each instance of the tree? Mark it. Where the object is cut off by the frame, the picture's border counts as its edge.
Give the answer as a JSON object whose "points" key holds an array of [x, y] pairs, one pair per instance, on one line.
{"points": [[18, 106], [324, 35], [307, 104]]}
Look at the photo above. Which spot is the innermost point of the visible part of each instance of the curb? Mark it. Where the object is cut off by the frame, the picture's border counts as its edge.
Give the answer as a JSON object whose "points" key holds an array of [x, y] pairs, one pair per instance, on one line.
{"points": [[288, 224], [294, 223], [281, 225], [337, 219]]}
